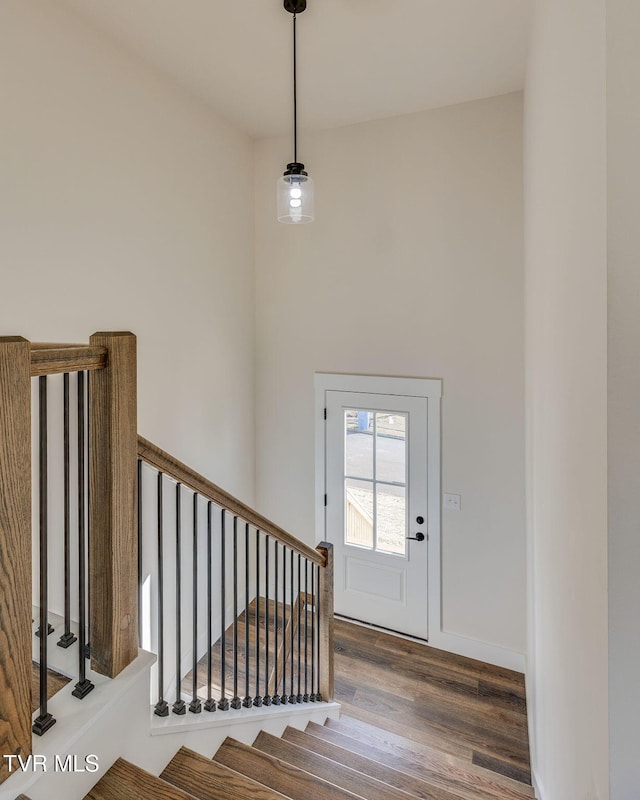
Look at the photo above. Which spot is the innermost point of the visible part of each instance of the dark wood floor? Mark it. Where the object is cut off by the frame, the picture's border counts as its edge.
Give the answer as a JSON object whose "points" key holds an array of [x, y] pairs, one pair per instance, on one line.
{"points": [[463, 707]]}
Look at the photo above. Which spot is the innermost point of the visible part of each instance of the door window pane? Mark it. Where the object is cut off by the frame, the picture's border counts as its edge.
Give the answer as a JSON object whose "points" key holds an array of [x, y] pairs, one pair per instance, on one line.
{"points": [[375, 480], [358, 444], [359, 522], [391, 447], [391, 518]]}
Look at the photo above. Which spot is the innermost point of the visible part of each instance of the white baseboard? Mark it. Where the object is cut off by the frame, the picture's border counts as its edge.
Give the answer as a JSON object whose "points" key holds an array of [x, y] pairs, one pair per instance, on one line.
{"points": [[537, 786], [481, 651]]}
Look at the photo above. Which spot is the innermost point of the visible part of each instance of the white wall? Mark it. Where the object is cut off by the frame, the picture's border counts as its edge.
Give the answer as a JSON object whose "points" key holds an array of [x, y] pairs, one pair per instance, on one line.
{"points": [[127, 205], [412, 268], [566, 334], [623, 98]]}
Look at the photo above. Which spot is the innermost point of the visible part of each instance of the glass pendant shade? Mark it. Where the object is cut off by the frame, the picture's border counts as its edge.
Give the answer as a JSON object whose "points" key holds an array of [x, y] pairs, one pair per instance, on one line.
{"points": [[295, 198]]}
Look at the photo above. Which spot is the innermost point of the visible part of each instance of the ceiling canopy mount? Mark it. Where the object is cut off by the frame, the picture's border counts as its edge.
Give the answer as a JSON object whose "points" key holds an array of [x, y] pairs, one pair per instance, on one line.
{"points": [[295, 6]]}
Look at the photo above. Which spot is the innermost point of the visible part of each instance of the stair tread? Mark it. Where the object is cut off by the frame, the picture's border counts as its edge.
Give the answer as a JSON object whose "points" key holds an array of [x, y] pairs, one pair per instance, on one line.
{"points": [[278, 774], [321, 766], [422, 761], [209, 780], [372, 766], [381, 734], [420, 770], [435, 741], [382, 737], [125, 781]]}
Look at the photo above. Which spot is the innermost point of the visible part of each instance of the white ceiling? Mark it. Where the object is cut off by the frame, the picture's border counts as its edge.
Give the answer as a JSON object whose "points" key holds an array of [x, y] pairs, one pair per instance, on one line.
{"points": [[358, 59]]}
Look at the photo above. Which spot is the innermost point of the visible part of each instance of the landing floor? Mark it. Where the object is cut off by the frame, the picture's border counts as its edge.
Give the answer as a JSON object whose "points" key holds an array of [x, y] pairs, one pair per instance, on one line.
{"points": [[465, 707]]}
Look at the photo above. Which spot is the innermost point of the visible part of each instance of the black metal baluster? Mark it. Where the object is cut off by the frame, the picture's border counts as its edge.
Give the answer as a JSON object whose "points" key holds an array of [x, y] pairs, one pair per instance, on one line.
{"points": [[318, 626], [276, 696], [257, 700], [162, 707], [44, 721], [267, 699], [139, 552], [306, 631], [210, 703], [284, 697], [44, 512], [195, 706], [179, 706], [299, 696], [83, 686], [292, 696], [223, 705], [236, 702], [313, 634], [87, 645], [248, 701], [67, 638]]}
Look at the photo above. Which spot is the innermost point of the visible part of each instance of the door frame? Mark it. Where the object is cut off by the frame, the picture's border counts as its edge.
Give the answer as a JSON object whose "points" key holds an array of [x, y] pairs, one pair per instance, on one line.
{"points": [[430, 388]]}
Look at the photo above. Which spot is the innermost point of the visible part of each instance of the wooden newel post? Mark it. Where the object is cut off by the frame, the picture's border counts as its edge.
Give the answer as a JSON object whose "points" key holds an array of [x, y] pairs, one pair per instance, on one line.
{"points": [[326, 622], [113, 548], [15, 549]]}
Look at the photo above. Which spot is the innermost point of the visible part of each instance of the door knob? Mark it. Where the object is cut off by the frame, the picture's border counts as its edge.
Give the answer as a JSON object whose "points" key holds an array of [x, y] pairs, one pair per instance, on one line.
{"points": [[419, 537]]}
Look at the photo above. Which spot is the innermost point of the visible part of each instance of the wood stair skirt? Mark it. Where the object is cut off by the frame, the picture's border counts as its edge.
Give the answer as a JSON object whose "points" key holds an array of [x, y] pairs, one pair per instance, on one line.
{"points": [[341, 760]]}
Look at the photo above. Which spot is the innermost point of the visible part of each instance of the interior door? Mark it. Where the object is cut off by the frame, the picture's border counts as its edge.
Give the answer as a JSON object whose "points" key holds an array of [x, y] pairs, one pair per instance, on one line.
{"points": [[376, 508]]}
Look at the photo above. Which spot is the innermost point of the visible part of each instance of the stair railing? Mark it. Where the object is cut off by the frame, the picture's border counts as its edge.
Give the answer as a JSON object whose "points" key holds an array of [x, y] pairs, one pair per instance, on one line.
{"points": [[239, 583], [85, 462], [242, 612]]}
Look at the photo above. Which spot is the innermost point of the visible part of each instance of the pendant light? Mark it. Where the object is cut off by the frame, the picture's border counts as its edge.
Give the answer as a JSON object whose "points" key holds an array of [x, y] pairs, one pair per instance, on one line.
{"points": [[295, 187]]}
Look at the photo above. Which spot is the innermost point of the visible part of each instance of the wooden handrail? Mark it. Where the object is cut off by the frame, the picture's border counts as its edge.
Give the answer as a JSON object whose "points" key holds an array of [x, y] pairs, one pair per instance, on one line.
{"points": [[53, 359], [170, 466]]}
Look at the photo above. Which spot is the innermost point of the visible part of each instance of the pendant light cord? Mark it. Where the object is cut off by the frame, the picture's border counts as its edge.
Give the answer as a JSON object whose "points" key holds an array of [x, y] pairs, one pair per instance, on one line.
{"points": [[295, 95]]}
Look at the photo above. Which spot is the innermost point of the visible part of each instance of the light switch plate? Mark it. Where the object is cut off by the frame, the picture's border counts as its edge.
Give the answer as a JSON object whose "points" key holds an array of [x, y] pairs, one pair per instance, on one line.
{"points": [[452, 502]]}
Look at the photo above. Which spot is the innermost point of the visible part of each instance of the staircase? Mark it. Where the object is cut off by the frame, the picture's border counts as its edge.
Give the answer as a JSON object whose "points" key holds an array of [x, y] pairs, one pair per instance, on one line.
{"points": [[339, 760], [239, 613], [416, 723]]}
